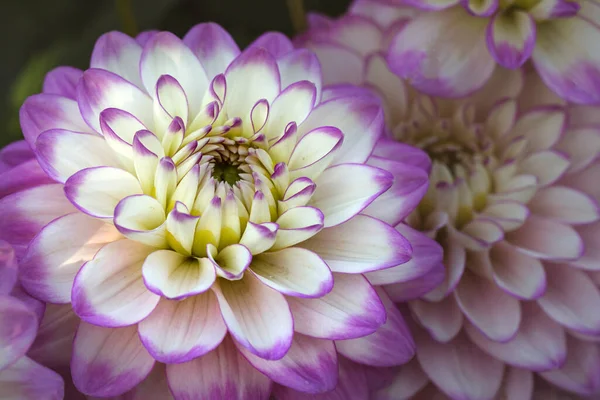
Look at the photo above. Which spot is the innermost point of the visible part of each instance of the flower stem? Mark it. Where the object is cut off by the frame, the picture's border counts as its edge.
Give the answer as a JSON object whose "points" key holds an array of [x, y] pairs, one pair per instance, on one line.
{"points": [[297, 14], [126, 15]]}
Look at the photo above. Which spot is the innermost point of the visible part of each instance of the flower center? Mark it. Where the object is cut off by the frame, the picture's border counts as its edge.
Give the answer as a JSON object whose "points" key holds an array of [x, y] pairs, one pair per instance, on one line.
{"points": [[224, 171], [449, 152]]}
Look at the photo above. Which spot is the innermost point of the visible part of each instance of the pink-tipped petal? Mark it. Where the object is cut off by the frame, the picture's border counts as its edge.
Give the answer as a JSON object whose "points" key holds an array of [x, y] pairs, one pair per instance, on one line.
{"points": [[511, 38], [99, 89], [294, 271], [57, 253], [96, 191], [28, 380], [109, 289], [300, 65], [443, 53], [581, 372], [458, 368], [143, 37], [346, 189], [23, 176], [107, 361], [390, 345], [339, 64], [489, 308], [118, 53], [351, 309], [221, 374], [539, 344], [18, 326], [409, 186], [352, 385], [566, 57], [15, 154], [63, 153], [426, 255], [571, 298], [277, 44], [213, 46], [442, 320], [309, 366], [359, 118], [252, 76], [547, 239], [517, 273], [418, 287], [24, 214], [403, 153], [249, 307], [49, 111], [566, 205], [62, 81], [166, 54], [293, 104], [179, 331], [360, 245]]}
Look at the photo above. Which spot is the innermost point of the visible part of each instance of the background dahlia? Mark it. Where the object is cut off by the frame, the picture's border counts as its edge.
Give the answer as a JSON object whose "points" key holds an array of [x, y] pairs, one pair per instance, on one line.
{"points": [[513, 200], [450, 48]]}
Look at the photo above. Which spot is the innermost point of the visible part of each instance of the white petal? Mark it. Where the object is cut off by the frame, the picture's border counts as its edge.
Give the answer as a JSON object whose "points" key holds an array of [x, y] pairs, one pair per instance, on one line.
{"points": [[249, 308], [346, 189], [176, 276], [179, 331], [294, 272], [109, 290]]}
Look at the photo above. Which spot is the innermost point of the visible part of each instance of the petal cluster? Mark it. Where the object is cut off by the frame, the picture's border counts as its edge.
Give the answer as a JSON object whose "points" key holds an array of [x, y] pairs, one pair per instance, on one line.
{"points": [[511, 200], [202, 206]]}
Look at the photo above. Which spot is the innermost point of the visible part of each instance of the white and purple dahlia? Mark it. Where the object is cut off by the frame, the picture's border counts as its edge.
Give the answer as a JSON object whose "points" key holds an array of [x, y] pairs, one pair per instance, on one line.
{"points": [[203, 219]]}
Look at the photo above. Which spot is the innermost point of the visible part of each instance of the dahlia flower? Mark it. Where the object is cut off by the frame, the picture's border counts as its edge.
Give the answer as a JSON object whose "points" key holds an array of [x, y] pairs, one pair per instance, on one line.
{"points": [[452, 48], [209, 221], [513, 200], [21, 378]]}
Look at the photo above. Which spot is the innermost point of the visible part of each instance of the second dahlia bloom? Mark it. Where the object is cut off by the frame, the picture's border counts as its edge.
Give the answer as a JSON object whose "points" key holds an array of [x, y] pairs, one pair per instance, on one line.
{"points": [[513, 199], [208, 212], [453, 47]]}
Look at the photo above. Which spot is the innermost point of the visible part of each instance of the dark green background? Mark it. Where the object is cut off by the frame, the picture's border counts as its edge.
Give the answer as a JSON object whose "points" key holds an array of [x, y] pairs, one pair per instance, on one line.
{"points": [[38, 35]]}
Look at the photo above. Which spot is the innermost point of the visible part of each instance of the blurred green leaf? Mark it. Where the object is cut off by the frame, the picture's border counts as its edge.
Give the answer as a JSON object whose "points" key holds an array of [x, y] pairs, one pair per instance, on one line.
{"points": [[28, 82]]}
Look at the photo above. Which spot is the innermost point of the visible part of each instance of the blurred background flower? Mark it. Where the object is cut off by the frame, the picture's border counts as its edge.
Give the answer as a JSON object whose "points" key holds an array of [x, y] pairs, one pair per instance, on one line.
{"points": [[512, 199]]}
